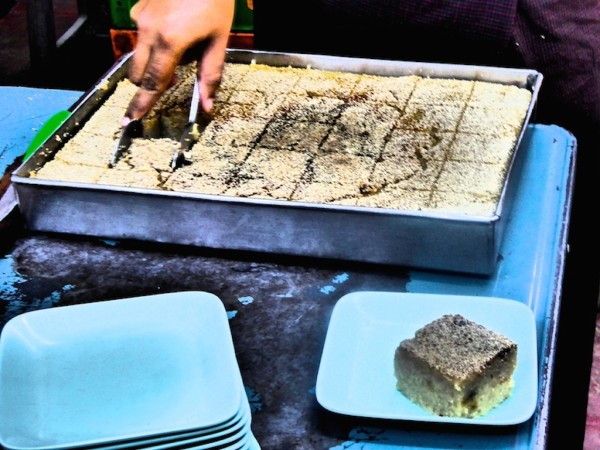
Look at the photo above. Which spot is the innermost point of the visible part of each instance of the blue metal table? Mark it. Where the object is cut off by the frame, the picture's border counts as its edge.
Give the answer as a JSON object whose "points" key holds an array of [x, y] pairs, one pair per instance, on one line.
{"points": [[279, 307]]}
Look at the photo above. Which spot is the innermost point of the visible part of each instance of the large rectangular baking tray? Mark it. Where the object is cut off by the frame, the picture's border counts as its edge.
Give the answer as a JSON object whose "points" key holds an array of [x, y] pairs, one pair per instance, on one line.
{"points": [[440, 241]]}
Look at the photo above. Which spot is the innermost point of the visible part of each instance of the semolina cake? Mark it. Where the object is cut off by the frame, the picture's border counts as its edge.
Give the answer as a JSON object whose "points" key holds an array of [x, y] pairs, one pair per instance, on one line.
{"points": [[309, 135], [455, 367]]}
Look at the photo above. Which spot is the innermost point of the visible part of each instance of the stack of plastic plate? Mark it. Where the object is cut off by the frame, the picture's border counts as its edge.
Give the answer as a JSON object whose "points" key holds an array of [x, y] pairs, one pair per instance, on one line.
{"points": [[153, 372]]}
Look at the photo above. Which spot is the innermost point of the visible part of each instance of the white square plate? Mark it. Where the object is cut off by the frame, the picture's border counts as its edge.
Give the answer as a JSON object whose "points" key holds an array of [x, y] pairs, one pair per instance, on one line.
{"points": [[225, 435], [116, 369], [356, 373]]}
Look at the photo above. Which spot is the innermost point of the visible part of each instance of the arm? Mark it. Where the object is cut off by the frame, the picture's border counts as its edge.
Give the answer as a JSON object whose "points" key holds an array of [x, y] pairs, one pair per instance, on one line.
{"points": [[168, 30]]}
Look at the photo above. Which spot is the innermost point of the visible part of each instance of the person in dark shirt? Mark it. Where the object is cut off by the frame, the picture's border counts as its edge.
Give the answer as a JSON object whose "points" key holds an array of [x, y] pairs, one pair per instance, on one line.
{"points": [[559, 40]]}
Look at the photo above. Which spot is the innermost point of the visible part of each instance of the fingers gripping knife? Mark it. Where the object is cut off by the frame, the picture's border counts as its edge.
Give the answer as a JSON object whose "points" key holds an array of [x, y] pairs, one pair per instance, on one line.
{"points": [[189, 137]]}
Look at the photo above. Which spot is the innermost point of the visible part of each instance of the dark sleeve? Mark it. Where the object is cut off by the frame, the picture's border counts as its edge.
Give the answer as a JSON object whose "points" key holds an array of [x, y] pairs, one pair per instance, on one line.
{"points": [[441, 30], [490, 20]]}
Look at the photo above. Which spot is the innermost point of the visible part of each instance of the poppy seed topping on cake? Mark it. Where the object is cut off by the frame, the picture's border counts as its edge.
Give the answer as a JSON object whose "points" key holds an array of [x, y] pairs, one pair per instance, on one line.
{"points": [[303, 134], [455, 367]]}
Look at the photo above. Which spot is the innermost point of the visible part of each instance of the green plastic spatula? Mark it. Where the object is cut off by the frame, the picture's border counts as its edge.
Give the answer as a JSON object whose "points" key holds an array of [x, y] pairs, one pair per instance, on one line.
{"points": [[9, 200], [47, 130]]}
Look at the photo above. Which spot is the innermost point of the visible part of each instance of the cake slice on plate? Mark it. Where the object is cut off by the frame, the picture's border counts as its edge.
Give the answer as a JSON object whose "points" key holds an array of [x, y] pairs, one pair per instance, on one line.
{"points": [[455, 367]]}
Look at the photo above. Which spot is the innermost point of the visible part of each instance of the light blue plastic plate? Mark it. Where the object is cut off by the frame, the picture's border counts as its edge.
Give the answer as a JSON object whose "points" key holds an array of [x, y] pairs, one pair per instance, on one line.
{"points": [[356, 374], [120, 369], [233, 435]]}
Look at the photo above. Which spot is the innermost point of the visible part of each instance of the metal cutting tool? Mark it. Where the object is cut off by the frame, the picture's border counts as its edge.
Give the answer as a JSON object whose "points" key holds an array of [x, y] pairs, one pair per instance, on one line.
{"points": [[132, 130], [189, 136], [191, 131]]}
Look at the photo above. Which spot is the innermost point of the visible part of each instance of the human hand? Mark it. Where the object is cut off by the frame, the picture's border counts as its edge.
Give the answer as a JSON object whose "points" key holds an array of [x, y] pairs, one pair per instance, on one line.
{"points": [[166, 31]]}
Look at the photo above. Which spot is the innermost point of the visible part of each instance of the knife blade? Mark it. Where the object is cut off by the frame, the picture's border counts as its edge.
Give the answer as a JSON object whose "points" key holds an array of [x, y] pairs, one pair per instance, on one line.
{"points": [[132, 130], [191, 131]]}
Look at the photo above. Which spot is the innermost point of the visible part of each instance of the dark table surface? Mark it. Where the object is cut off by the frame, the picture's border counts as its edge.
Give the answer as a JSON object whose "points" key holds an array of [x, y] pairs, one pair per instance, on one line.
{"points": [[280, 307]]}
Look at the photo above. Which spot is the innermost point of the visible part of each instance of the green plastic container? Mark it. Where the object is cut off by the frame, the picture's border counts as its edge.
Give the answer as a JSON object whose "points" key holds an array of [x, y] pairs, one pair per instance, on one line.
{"points": [[119, 13], [243, 20]]}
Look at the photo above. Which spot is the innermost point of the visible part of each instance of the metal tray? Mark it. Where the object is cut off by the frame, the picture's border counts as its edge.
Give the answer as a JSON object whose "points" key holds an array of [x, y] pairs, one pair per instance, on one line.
{"points": [[440, 241]]}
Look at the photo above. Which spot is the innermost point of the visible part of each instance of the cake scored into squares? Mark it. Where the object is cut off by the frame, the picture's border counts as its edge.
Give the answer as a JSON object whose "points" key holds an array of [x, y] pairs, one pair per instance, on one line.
{"points": [[399, 142], [455, 367]]}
